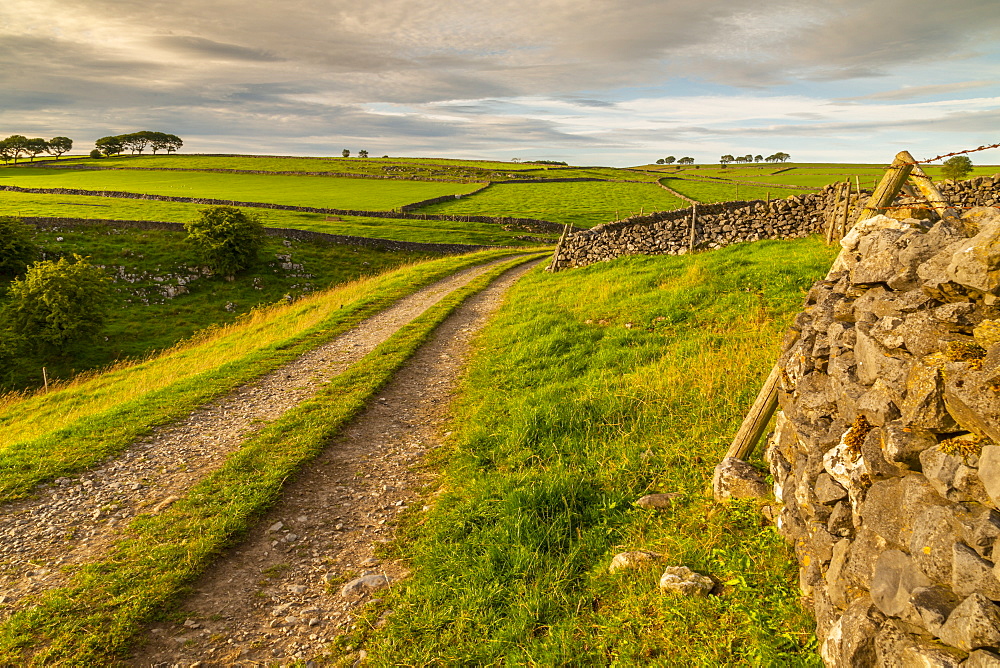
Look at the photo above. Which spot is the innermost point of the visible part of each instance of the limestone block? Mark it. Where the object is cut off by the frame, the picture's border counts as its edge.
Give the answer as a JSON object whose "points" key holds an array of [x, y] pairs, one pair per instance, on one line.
{"points": [[736, 479], [924, 406], [892, 506], [982, 658], [951, 477], [851, 641], [970, 573], [901, 445], [974, 624], [894, 579], [935, 533], [934, 605]]}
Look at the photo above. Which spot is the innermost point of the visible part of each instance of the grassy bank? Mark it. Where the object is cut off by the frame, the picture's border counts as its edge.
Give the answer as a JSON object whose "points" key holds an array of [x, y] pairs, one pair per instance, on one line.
{"points": [[149, 266], [591, 388], [44, 436], [92, 621]]}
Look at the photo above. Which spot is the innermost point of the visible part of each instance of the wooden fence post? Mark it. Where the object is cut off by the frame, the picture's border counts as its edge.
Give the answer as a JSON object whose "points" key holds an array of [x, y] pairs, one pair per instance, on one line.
{"points": [[756, 420], [831, 216], [694, 217], [888, 187], [931, 193], [847, 211], [559, 245]]}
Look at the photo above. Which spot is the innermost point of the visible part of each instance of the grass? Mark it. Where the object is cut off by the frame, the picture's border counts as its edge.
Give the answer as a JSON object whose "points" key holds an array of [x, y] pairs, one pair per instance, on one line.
{"points": [[93, 619], [145, 262], [316, 191], [710, 192], [424, 231], [583, 204], [591, 388], [44, 436]]}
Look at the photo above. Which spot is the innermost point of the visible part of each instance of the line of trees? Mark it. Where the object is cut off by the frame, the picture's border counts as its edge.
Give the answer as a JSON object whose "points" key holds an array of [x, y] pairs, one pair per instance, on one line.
{"points": [[669, 160], [17, 146], [136, 142], [777, 157]]}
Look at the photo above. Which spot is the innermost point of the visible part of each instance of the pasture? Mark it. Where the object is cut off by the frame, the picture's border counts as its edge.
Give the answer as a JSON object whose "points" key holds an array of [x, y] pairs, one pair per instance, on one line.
{"points": [[583, 204], [425, 231], [315, 191]]}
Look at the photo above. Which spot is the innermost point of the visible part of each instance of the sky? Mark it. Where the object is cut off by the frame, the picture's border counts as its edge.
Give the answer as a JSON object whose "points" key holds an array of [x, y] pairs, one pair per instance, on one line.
{"points": [[589, 82]]}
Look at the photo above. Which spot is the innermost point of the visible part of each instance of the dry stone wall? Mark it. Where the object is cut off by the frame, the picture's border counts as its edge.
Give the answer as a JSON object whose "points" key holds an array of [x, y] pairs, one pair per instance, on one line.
{"points": [[886, 451], [718, 225]]}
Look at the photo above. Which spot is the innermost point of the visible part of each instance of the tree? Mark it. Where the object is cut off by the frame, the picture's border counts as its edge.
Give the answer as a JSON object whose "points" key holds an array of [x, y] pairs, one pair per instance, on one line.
{"points": [[758, 158], [35, 146], [59, 145], [112, 145], [685, 161], [17, 145], [17, 245], [669, 160], [6, 151], [57, 304], [158, 141], [362, 153], [135, 142], [173, 143], [227, 238], [956, 167], [346, 153], [726, 159], [660, 161]]}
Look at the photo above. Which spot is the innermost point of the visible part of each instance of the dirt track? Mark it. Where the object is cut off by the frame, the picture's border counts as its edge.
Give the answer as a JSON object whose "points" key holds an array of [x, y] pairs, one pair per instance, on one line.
{"points": [[75, 520], [276, 598]]}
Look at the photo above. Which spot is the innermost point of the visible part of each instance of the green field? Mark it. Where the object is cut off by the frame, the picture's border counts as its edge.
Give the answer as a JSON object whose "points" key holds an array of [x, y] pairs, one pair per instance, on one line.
{"points": [[425, 231], [582, 204], [146, 262], [316, 191], [812, 175], [710, 192], [589, 389]]}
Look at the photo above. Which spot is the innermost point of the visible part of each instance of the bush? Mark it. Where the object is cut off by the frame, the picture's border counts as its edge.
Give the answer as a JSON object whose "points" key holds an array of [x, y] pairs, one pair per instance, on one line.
{"points": [[227, 238], [17, 246], [57, 304], [956, 167], [96, 153]]}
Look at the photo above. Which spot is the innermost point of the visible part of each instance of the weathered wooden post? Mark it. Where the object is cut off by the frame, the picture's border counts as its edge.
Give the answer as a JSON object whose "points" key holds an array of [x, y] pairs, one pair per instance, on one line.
{"points": [[847, 211], [831, 216], [694, 217], [930, 192], [889, 186]]}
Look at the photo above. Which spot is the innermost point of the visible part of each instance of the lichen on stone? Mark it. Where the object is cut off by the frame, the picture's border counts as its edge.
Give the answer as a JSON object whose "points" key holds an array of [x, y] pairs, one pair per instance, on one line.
{"points": [[857, 434], [966, 446], [966, 351]]}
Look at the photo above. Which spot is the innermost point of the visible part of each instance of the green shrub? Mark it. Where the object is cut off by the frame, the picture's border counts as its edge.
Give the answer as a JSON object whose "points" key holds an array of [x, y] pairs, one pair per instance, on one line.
{"points": [[57, 304], [956, 167], [228, 238], [17, 246]]}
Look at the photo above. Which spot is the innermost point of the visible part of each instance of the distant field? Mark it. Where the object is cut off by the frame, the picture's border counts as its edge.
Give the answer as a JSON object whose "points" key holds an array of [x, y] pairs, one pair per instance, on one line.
{"points": [[323, 192], [583, 204], [813, 175], [711, 192], [427, 231]]}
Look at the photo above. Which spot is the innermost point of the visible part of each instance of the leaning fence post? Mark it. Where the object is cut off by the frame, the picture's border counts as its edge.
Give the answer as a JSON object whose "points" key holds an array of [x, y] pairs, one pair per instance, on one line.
{"points": [[756, 420], [931, 193], [694, 217], [889, 186]]}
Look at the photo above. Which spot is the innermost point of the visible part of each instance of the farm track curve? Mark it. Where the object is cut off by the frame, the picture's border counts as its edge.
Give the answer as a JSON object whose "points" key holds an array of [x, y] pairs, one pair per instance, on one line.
{"points": [[75, 521], [277, 597]]}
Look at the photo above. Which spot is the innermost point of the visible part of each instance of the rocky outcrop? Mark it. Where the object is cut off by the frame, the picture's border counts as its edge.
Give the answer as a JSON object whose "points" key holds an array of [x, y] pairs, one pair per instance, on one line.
{"points": [[886, 450]]}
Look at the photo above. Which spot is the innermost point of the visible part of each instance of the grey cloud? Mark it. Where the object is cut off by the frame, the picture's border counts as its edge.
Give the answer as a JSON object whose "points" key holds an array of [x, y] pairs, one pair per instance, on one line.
{"points": [[913, 92], [201, 47]]}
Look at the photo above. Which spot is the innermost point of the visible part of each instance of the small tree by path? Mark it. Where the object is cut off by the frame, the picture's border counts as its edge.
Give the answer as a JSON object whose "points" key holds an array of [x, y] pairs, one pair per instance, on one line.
{"points": [[57, 305], [228, 239], [17, 246]]}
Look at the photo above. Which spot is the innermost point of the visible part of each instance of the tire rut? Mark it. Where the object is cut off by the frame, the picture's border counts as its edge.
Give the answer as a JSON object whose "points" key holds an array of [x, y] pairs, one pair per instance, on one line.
{"points": [[74, 521], [279, 596]]}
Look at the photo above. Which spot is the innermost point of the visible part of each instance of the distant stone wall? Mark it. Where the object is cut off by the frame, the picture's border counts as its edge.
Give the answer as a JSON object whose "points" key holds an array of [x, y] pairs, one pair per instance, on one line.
{"points": [[526, 224], [284, 233], [708, 226], [886, 451]]}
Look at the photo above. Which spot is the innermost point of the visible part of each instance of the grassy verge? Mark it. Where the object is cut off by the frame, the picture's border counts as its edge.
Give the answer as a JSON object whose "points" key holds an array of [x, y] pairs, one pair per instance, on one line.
{"points": [[92, 620], [589, 389], [45, 436], [584, 204]]}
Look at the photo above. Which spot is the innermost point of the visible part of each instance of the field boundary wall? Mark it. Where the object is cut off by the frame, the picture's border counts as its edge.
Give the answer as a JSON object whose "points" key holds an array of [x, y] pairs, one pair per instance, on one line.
{"points": [[280, 232], [709, 226]]}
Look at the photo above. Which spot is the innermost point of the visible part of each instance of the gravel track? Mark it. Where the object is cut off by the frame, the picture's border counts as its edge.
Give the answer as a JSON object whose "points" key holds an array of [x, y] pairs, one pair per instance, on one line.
{"points": [[75, 520], [279, 597]]}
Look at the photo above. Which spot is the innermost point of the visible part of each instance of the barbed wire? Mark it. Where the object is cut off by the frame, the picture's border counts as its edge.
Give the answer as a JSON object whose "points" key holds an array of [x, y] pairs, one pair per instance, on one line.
{"points": [[948, 155]]}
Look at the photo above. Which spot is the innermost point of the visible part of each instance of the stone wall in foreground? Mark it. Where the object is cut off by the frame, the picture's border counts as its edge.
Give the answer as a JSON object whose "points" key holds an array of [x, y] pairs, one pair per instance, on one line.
{"points": [[886, 451]]}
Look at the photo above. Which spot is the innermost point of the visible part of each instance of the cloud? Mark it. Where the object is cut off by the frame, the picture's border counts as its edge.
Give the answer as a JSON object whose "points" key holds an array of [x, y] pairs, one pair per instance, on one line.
{"points": [[200, 47], [929, 90]]}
